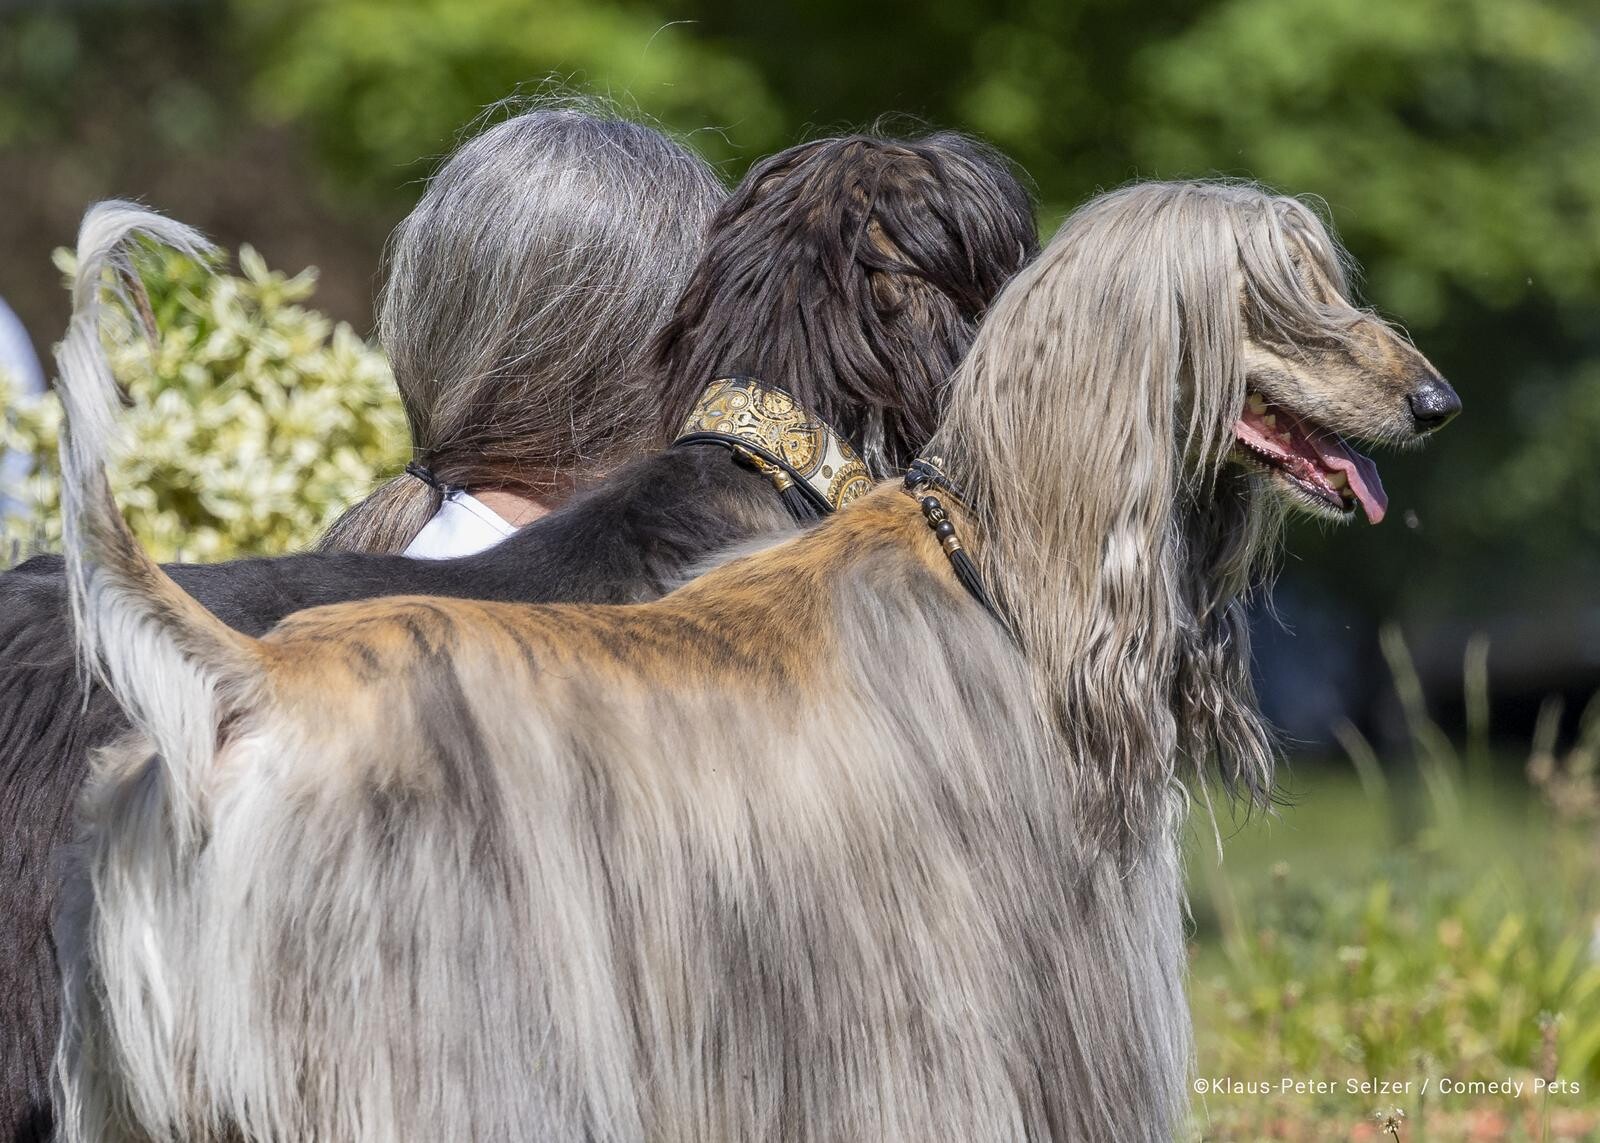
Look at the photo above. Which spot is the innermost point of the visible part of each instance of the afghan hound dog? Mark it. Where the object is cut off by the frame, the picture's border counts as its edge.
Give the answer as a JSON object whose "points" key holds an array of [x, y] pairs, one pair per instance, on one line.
{"points": [[867, 833], [848, 275]]}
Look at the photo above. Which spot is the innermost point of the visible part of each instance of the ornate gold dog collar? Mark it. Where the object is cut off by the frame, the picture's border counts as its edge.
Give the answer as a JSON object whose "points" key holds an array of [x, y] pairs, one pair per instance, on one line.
{"points": [[785, 442]]}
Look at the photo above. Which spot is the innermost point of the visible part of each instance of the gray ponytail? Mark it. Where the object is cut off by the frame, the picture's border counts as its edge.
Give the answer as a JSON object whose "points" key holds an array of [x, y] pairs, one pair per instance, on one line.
{"points": [[521, 294]]}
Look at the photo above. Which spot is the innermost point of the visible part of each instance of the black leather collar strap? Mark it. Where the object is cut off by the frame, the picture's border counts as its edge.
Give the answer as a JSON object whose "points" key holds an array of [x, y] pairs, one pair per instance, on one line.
{"points": [[782, 440]]}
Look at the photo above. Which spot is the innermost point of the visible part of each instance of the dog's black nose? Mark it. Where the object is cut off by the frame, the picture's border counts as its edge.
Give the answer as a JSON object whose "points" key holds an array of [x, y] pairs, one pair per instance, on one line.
{"points": [[1432, 404]]}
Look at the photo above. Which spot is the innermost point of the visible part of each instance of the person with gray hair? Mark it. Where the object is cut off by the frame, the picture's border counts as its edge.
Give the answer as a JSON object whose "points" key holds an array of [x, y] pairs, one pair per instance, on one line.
{"points": [[520, 295]]}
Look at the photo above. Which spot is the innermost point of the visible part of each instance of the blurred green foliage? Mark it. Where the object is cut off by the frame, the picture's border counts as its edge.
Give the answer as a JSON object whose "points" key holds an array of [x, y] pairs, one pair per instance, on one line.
{"points": [[1456, 146], [1450, 930], [1452, 141], [374, 78], [253, 420], [1453, 138]]}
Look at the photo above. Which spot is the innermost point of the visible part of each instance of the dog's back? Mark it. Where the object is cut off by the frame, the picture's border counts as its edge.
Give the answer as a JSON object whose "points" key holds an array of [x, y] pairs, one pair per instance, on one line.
{"points": [[700, 868], [631, 539]]}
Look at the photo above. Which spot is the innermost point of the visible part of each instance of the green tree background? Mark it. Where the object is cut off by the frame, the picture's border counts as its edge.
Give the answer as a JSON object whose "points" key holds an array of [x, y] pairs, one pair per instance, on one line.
{"points": [[1432, 916], [1455, 143]]}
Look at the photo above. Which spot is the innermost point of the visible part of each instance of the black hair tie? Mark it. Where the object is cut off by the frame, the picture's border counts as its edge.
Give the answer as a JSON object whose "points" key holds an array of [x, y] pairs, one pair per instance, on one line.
{"points": [[425, 474]]}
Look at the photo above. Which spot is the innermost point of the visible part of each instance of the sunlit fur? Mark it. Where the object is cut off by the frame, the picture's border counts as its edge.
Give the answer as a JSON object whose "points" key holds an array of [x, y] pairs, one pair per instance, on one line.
{"points": [[1095, 445], [811, 848], [957, 225]]}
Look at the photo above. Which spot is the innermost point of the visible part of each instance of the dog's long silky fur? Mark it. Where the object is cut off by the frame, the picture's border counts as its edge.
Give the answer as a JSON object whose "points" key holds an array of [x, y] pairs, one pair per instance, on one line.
{"points": [[958, 224], [810, 848]]}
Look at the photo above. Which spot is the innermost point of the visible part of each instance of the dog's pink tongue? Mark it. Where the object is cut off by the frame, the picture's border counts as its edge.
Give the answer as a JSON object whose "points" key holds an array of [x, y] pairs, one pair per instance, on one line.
{"points": [[1358, 469]]}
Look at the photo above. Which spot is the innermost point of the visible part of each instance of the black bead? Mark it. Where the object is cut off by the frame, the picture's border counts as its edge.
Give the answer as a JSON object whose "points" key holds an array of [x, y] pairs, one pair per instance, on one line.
{"points": [[944, 528]]}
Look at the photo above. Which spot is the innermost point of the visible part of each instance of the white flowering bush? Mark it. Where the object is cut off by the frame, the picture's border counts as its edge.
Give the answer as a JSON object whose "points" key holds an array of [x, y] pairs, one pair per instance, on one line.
{"points": [[254, 420]]}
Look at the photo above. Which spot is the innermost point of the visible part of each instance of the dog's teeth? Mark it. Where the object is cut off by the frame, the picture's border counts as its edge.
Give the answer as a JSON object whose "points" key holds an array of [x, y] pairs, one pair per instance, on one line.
{"points": [[1270, 420], [1257, 403], [1339, 480]]}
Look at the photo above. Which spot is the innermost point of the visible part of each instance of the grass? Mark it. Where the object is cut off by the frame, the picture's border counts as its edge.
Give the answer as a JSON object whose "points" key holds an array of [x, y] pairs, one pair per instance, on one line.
{"points": [[1427, 922]]}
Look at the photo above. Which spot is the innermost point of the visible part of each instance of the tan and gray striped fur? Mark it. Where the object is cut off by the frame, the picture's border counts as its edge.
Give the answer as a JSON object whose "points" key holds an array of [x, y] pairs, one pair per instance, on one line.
{"points": [[809, 849]]}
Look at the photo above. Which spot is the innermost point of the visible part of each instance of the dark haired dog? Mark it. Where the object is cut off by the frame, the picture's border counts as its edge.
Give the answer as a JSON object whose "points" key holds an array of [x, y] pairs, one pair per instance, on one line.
{"points": [[917, 236], [850, 273]]}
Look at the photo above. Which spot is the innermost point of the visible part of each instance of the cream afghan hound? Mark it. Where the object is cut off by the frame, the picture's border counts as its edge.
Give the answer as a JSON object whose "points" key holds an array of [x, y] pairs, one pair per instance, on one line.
{"points": [[872, 834]]}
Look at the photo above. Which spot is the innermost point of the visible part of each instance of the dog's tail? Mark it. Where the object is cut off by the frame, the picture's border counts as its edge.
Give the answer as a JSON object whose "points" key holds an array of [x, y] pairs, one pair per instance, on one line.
{"points": [[173, 665]]}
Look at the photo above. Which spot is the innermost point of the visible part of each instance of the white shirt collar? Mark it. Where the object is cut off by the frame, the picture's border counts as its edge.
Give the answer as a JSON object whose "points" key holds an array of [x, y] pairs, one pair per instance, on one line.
{"points": [[463, 526]]}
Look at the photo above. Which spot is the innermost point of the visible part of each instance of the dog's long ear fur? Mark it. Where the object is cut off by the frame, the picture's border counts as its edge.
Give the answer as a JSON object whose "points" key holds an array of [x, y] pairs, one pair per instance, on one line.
{"points": [[1087, 425], [167, 659]]}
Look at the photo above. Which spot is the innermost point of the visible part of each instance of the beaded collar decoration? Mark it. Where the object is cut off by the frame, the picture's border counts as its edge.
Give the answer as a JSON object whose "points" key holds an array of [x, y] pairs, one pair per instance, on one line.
{"points": [[770, 431], [925, 482]]}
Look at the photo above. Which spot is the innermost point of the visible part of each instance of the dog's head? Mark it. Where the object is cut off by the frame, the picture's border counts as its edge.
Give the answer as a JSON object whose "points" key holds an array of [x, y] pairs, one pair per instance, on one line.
{"points": [[1183, 361], [851, 273], [1319, 372]]}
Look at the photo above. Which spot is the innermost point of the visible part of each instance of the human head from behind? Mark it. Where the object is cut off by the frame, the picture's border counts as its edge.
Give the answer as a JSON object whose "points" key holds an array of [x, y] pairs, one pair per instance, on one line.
{"points": [[852, 274], [519, 298]]}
